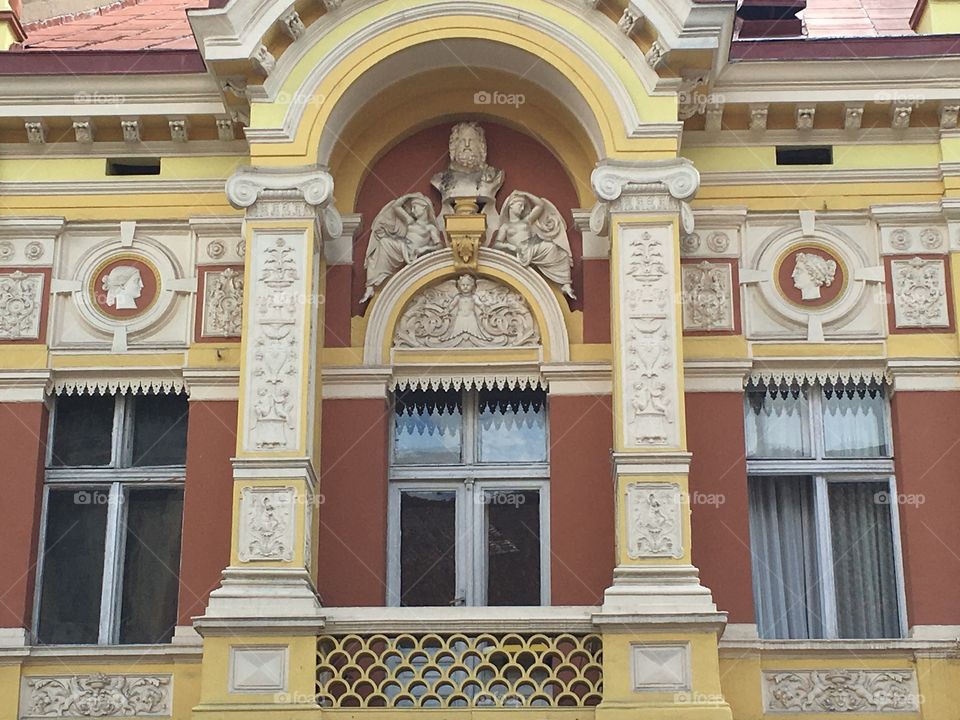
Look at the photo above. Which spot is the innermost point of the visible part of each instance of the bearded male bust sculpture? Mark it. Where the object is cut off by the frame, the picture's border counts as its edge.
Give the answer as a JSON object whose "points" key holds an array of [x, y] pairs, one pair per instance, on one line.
{"points": [[468, 174]]}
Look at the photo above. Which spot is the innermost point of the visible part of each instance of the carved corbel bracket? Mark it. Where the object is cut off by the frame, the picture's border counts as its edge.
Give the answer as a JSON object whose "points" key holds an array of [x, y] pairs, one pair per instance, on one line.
{"points": [[466, 228]]}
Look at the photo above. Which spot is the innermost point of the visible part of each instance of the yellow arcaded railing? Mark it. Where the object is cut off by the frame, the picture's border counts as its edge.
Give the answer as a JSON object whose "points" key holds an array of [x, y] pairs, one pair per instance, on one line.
{"points": [[459, 670]]}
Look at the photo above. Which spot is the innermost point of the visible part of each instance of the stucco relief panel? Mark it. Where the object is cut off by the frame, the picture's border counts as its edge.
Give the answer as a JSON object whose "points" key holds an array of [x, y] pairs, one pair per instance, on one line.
{"points": [[123, 287], [815, 283], [278, 309], [21, 305], [647, 336], [267, 524]]}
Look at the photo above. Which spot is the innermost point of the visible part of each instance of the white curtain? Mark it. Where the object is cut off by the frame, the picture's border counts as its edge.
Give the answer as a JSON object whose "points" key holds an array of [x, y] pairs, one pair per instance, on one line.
{"points": [[863, 558], [775, 426], [854, 426], [786, 579]]}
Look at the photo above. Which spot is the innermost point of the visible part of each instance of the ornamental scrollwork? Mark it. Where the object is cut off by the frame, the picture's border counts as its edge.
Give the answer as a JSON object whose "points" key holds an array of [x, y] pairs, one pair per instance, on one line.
{"points": [[706, 297], [97, 695], [21, 299], [841, 691], [223, 304], [467, 313], [919, 294]]}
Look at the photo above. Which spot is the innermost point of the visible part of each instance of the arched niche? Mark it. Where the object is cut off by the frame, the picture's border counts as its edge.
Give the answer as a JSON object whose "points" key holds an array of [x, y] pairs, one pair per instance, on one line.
{"points": [[397, 292]]}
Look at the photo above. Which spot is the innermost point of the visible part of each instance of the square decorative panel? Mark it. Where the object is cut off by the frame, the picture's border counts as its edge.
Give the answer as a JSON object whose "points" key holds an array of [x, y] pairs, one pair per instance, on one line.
{"points": [[259, 669], [660, 668]]}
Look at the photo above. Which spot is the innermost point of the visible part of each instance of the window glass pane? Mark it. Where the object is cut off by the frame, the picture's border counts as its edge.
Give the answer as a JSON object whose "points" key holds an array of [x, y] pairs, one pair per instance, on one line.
{"points": [[151, 565], [83, 430], [863, 559], [73, 566], [513, 547], [428, 427], [783, 548], [854, 424], [428, 548], [776, 422], [159, 430], [513, 426]]}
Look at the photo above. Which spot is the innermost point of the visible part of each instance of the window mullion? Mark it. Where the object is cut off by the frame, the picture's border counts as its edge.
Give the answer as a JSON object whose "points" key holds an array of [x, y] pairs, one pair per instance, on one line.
{"points": [[825, 550], [112, 567], [815, 409], [118, 446], [471, 412], [466, 572]]}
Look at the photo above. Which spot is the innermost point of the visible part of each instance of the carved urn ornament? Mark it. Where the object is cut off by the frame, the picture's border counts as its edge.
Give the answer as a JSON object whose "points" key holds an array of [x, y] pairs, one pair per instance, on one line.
{"points": [[528, 228]]}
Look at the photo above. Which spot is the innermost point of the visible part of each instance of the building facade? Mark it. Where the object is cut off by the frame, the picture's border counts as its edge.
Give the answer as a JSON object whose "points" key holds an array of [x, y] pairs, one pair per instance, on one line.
{"points": [[543, 358]]}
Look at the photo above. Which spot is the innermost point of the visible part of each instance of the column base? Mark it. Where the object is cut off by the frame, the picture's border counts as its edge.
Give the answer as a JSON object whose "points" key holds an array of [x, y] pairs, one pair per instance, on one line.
{"points": [[262, 599], [652, 589]]}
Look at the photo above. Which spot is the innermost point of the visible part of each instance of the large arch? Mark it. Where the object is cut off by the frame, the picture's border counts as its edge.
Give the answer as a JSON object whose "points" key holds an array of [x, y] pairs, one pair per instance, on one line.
{"points": [[337, 66]]}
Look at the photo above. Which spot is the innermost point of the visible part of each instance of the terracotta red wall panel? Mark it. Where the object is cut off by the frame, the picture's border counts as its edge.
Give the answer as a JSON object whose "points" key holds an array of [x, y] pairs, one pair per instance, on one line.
{"points": [[719, 501], [207, 503], [926, 445], [596, 301], [23, 427], [337, 305], [581, 499], [352, 569]]}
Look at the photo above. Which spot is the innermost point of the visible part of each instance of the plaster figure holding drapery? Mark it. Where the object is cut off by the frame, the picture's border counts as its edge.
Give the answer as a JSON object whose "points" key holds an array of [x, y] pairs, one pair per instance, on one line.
{"points": [[532, 230], [405, 230]]}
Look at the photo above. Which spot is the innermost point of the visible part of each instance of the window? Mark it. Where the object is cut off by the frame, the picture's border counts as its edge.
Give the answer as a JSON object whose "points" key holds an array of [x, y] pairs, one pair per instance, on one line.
{"points": [[824, 533], [113, 500], [468, 498]]}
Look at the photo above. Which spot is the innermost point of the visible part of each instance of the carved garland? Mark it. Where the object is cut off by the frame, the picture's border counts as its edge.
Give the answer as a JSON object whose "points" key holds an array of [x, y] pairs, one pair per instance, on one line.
{"points": [[841, 691], [97, 695]]}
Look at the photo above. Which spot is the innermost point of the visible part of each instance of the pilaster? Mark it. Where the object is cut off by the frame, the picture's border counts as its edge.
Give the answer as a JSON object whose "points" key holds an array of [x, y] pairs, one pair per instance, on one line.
{"points": [[260, 623], [660, 624]]}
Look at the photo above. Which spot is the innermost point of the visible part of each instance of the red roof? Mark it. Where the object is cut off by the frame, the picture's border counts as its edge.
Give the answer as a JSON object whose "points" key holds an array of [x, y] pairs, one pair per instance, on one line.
{"points": [[123, 25], [858, 18], [148, 24]]}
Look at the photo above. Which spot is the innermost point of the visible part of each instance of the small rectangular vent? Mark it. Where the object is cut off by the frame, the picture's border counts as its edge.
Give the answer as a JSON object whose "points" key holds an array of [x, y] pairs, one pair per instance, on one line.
{"points": [[133, 166], [805, 155]]}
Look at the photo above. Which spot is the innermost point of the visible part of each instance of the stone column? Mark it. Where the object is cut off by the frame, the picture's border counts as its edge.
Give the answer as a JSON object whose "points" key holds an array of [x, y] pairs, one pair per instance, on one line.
{"points": [[660, 624], [260, 625]]}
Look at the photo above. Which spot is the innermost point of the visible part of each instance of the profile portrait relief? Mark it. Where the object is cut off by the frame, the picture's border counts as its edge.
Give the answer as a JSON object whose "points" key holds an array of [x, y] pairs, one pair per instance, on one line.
{"points": [[123, 287], [811, 273]]}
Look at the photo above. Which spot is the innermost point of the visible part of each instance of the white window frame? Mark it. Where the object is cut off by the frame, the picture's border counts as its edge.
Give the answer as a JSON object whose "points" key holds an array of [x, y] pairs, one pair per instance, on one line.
{"points": [[469, 480], [823, 471], [117, 479]]}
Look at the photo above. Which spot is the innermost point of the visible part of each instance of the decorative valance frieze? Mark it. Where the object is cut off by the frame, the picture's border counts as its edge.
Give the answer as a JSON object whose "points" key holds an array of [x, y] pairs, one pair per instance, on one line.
{"points": [[111, 383], [796, 375], [470, 381], [658, 186]]}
